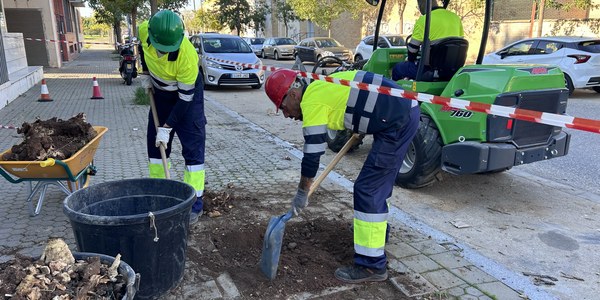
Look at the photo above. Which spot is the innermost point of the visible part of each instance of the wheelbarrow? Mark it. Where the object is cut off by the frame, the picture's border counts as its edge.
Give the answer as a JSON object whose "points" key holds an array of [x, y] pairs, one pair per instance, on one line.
{"points": [[75, 170]]}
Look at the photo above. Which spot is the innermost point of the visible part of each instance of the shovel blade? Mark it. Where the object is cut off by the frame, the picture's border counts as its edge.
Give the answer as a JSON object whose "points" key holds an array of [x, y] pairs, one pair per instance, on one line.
{"points": [[272, 243]]}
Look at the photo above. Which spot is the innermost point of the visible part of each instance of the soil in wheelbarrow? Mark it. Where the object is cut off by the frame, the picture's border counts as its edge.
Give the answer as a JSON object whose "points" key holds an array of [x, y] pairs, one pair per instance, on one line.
{"points": [[53, 138], [231, 242], [59, 278]]}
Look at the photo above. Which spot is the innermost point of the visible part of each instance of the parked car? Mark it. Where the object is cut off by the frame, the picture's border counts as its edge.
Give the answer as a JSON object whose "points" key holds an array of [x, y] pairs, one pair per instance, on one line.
{"points": [[577, 57], [227, 47], [256, 44], [312, 49], [278, 47], [364, 50]]}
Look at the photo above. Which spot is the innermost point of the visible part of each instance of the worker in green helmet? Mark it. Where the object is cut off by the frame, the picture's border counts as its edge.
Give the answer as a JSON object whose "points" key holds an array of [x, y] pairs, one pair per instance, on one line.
{"points": [[170, 65]]}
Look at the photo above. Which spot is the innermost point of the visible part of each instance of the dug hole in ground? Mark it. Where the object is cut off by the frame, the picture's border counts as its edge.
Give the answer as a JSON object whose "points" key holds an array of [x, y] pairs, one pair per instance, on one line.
{"points": [[229, 238]]}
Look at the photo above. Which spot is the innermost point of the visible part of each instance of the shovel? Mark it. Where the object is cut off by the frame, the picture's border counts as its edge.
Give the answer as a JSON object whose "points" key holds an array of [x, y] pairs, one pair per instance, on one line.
{"points": [[274, 234]]}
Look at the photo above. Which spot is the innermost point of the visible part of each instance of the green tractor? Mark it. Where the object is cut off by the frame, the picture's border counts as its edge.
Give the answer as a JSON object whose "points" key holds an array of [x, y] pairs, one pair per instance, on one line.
{"points": [[465, 142]]}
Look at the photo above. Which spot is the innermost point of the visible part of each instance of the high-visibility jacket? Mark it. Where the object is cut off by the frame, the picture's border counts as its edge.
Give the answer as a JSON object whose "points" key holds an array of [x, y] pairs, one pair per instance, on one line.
{"points": [[328, 105], [443, 23], [175, 71]]}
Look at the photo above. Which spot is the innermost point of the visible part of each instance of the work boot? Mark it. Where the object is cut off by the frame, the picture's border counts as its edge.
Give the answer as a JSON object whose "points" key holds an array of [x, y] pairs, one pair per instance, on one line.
{"points": [[358, 274], [194, 216]]}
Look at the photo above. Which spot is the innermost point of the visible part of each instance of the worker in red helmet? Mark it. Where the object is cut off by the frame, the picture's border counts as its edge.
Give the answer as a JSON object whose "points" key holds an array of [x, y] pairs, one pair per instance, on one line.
{"points": [[393, 122], [170, 64]]}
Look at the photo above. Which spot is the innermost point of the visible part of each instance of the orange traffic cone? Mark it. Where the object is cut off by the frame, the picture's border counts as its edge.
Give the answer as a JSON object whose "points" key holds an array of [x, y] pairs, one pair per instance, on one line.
{"points": [[45, 95], [96, 90]]}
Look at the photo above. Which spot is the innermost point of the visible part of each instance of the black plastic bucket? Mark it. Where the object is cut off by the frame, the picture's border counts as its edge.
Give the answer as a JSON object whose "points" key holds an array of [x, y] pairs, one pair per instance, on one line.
{"points": [[145, 220]]}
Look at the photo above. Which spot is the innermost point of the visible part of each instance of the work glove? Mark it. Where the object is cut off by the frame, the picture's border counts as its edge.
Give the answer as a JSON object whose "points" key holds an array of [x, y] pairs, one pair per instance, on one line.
{"points": [[146, 81], [162, 136], [300, 201]]}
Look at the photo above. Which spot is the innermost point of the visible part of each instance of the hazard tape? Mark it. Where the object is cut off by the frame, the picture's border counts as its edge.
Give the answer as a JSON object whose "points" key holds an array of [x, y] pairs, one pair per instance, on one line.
{"points": [[491, 109], [66, 42]]}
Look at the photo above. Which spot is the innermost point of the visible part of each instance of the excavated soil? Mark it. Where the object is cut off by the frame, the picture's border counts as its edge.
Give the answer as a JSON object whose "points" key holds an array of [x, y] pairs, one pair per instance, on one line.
{"points": [[53, 138], [231, 241], [26, 278]]}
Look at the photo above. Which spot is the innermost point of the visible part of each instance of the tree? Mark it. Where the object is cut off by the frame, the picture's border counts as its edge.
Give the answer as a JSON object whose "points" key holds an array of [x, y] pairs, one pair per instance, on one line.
{"points": [[323, 12], [285, 13], [108, 12], [233, 14], [392, 7], [92, 27], [259, 16]]}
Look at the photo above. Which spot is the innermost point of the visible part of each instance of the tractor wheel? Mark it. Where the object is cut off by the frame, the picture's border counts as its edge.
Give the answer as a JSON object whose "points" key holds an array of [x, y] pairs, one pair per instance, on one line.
{"points": [[336, 139], [569, 84], [422, 162]]}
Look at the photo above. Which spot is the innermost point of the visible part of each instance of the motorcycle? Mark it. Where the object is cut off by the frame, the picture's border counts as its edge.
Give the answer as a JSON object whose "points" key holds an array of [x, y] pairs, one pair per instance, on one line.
{"points": [[127, 62]]}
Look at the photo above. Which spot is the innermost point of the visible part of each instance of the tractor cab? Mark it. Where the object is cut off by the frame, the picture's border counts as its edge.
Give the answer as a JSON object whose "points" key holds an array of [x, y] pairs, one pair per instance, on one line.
{"points": [[437, 64]]}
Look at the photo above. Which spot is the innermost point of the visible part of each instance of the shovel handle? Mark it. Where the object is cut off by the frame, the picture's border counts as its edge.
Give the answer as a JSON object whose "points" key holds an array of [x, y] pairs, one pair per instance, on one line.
{"points": [[161, 147], [353, 139]]}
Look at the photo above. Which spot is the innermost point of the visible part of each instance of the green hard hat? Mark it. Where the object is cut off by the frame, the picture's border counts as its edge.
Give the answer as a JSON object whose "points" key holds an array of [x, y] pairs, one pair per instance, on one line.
{"points": [[165, 30]]}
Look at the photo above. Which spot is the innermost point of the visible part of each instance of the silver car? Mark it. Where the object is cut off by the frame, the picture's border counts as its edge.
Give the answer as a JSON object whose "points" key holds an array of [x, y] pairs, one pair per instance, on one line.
{"points": [[213, 46], [278, 47], [255, 43]]}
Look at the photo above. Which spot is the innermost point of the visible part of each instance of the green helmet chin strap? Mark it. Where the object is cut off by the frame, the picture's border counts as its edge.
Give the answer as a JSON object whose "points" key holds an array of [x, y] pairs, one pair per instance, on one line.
{"points": [[165, 30]]}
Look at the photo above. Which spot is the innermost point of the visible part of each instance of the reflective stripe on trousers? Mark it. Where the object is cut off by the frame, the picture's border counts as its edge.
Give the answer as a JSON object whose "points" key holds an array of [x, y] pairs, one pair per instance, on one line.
{"points": [[372, 189]]}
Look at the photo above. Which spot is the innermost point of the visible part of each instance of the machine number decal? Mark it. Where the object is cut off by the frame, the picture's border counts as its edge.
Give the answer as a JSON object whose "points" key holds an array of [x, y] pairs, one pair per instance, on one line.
{"points": [[458, 113]]}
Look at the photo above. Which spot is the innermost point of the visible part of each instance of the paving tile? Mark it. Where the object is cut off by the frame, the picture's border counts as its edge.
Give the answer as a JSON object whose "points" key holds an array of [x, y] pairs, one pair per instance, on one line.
{"points": [[420, 263], [428, 247], [443, 279], [498, 290], [413, 285], [473, 275], [449, 259], [400, 249]]}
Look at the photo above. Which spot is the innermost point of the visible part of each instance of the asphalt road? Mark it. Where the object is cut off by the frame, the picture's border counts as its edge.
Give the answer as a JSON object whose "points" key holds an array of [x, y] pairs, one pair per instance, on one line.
{"points": [[540, 218]]}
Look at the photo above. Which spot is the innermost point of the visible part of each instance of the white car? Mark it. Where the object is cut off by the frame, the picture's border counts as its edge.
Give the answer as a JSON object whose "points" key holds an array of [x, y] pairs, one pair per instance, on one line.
{"points": [[364, 50], [212, 48], [577, 57]]}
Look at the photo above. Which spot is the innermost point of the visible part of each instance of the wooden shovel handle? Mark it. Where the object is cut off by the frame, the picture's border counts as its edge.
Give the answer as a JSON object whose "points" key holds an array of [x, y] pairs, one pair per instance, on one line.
{"points": [[161, 148], [355, 138]]}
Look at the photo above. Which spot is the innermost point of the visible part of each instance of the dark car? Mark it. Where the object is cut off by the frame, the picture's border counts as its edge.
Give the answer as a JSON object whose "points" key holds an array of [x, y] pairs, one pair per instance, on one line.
{"points": [[313, 49]]}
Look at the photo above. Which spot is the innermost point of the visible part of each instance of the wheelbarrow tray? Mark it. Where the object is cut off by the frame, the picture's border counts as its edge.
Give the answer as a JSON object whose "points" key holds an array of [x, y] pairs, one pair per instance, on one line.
{"points": [[73, 165]]}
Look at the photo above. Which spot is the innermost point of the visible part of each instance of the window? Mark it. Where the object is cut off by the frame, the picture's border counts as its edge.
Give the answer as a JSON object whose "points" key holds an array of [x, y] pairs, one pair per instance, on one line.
{"points": [[520, 48], [369, 41], [547, 47], [396, 40], [590, 46], [286, 41]]}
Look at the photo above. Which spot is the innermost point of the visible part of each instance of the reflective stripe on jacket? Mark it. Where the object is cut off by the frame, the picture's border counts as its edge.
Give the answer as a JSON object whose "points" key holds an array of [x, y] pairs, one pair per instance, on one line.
{"points": [[175, 75]]}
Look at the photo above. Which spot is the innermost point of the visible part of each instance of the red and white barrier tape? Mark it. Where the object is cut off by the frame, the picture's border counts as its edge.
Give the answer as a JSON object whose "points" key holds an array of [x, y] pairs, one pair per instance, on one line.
{"points": [[492, 109], [8, 127], [59, 41]]}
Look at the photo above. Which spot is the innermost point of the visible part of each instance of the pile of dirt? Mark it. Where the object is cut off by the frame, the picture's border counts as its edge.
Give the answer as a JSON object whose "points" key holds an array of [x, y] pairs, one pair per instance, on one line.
{"points": [[53, 138], [58, 276]]}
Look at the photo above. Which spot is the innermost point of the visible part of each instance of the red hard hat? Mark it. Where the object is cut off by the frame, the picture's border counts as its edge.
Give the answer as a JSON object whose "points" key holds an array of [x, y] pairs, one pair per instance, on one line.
{"points": [[278, 84]]}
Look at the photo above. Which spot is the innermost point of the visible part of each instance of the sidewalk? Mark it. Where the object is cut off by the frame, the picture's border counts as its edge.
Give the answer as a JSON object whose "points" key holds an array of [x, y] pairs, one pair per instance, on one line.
{"points": [[236, 152]]}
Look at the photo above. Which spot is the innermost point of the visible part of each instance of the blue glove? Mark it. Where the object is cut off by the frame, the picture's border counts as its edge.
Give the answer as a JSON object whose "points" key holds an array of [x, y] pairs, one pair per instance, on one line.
{"points": [[300, 201]]}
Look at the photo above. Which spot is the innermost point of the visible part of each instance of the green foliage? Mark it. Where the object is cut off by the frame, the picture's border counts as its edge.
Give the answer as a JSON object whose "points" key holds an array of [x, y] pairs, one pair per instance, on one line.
{"points": [[569, 4], [140, 97], [232, 13], [92, 27], [258, 17], [285, 13], [323, 12]]}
